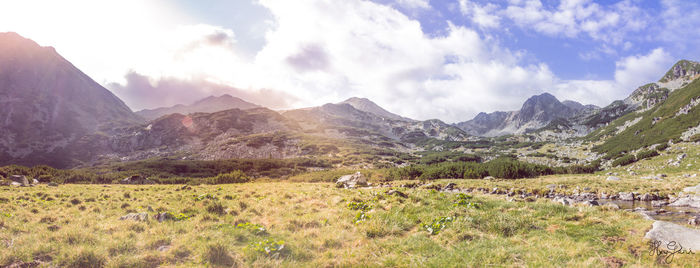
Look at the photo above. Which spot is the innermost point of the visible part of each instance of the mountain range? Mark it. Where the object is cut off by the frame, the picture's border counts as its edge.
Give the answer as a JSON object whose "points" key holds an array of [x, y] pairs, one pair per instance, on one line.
{"points": [[54, 114], [210, 104]]}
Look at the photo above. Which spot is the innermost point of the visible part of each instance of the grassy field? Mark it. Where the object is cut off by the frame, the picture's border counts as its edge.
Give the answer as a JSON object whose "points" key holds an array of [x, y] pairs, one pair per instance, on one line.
{"points": [[309, 225]]}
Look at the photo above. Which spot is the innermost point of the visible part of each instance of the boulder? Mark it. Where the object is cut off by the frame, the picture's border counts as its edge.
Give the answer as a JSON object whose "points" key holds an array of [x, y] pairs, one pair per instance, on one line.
{"points": [[666, 232], [646, 197], [20, 180], [612, 178], [626, 196], [351, 181], [687, 201], [489, 178], [135, 217], [137, 179]]}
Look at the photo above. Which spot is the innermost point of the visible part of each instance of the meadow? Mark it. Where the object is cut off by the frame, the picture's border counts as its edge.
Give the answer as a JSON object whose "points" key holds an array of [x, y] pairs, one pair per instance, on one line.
{"points": [[288, 224]]}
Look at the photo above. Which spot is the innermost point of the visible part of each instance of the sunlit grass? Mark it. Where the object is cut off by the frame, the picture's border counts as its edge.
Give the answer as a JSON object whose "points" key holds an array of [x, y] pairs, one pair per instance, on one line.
{"points": [[314, 224]]}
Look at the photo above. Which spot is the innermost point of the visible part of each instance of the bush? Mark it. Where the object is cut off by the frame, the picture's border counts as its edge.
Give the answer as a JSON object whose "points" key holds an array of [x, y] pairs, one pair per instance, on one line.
{"points": [[623, 161], [236, 176], [646, 154], [662, 146]]}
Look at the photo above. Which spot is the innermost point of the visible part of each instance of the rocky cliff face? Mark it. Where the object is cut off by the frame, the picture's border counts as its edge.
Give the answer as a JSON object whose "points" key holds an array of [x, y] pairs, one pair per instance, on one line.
{"points": [[207, 105], [47, 105]]}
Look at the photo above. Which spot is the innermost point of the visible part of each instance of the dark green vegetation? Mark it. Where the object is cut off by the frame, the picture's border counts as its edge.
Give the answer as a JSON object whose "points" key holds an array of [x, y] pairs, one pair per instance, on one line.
{"points": [[504, 167], [173, 171]]}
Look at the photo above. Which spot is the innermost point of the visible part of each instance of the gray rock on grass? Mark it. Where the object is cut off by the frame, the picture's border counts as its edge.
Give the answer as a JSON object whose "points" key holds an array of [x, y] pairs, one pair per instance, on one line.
{"points": [[666, 232]]}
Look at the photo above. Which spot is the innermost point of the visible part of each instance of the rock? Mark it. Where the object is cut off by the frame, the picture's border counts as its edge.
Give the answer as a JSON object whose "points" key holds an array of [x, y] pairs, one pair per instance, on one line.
{"points": [[687, 201], [397, 193], [591, 203], [666, 232], [681, 156], [564, 200], [163, 248], [604, 195], [551, 187], [612, 178], [163, 217], [135, 217], [612, 206], [449, 186], [695, 221], [137, 179], [52, 184], [692, 189], [489, 178], [646, 197], [661, 175], [351, 181], [659, 203], [626, 196], [35, 181], [21, 179]]}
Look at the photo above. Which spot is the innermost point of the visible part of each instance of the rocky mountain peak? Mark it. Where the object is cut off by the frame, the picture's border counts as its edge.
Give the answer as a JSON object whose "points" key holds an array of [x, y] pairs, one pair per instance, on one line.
{"points": [[48, 104], [366, 105], [682, 69]]}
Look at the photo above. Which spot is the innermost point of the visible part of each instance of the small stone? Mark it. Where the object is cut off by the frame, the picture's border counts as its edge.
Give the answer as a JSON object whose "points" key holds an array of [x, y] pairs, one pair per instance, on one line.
{"points": [[695, 221], [591, 203], [396, 193], [612, 206], [659, 203], [52, 184], [612, 178], [135, 217], [163, 248], [489, 178]]}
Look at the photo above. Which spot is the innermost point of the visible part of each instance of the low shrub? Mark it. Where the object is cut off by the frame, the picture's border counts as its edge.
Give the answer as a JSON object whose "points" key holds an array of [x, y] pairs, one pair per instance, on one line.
{"points": [[625, 160]]}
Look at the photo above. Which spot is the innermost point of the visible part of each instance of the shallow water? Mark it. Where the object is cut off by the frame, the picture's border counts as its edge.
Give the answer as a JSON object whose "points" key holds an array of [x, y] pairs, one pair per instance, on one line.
{"points": [[678, 215]]}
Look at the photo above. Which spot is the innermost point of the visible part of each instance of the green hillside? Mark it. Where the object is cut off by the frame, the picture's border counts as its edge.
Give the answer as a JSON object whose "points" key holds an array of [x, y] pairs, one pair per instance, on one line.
{"points": [[644, 133]]}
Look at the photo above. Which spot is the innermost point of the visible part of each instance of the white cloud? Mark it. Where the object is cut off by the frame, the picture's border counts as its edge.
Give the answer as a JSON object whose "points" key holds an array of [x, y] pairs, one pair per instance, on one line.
{"points": [[482, 15], [637, 70], [321, 51], [414, 4], [630, 72], [610, 23]]}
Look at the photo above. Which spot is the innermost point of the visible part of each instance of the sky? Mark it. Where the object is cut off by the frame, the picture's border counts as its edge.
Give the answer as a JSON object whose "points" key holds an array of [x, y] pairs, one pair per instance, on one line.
{"points": [[423, 59]]}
